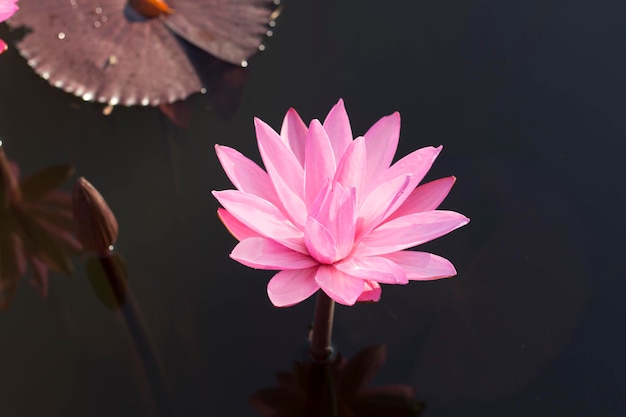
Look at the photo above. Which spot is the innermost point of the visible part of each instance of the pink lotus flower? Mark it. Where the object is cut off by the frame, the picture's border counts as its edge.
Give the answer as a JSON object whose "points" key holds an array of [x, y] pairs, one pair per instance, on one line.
{"points": [[331, 212], [7, 8]]}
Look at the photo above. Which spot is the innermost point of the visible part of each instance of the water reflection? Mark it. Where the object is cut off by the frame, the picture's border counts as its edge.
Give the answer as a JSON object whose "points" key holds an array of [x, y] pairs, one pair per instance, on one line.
{"points": [[35, 227], [97, 229], [336, 388]]}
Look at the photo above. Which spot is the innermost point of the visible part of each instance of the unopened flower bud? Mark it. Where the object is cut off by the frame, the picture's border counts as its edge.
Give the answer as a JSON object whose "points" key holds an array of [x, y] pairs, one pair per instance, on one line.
{"points": [[95, 224]]}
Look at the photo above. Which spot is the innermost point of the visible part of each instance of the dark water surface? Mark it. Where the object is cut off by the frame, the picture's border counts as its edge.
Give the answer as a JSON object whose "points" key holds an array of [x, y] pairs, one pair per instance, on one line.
{"points": [[528, 99]]}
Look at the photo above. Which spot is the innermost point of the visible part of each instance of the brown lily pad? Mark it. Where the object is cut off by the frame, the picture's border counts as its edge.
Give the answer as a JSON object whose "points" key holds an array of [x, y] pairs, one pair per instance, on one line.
{"points": [[106, 51]]}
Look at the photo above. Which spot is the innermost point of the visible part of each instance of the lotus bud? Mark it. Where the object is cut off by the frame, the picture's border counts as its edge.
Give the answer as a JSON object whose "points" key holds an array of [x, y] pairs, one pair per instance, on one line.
{"points": [[95, 224]]}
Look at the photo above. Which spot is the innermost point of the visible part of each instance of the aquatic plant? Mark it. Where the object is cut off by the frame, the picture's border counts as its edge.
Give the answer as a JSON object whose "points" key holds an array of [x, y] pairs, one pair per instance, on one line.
{"points": [[330, 212], [97, 229], [140, 52], [35, 227]]}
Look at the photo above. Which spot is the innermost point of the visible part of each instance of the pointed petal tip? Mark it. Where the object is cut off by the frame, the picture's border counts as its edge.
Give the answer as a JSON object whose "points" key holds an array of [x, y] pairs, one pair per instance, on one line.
{"points": [[395, 116], [316, 123], [260, 124], [340, 300], [219, 152]]}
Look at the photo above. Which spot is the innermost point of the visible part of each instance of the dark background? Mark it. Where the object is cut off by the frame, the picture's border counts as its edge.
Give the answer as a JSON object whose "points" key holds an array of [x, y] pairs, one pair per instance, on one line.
{"points": [[527, 98]]}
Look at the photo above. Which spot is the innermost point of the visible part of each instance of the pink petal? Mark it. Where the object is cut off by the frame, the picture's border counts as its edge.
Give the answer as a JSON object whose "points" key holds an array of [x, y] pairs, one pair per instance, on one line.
{"points": [[246, 175], [373, 268], [262, 253], [3, 46], [379, 202], [239, 230], [351, 168], [345, 222], [319, 164], [262, 217], [381, 141], [409, 231], [7, 9], [337, 125], [371, 292], [294, 133], [422, 266], [284, 170], [290, 287], [320, 242], [415, 164], [331, 235], [426, 197], [339, 286]]}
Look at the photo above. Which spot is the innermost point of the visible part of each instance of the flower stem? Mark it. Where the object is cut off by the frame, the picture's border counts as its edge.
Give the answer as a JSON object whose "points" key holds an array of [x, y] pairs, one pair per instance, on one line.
{"points": [[138, 331], [321, 348]]}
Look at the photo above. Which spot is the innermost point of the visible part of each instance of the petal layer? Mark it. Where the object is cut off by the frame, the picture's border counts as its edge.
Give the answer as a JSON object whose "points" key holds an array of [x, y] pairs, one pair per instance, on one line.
{"points": [[426, 197], [337, 125], [381, 141], [262, 253], [319, 162], [245, 174], [284, 170], [415, 165], [422, 266], [339, 286], [239, 230], [262, 217], [371, 292], [294, 132], [408, 231], [290, 287], [374, 268]]}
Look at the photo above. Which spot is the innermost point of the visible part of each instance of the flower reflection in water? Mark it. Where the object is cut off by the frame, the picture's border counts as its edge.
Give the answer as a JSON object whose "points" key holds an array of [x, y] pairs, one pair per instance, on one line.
{"points": [[35, 227], [337, 388], [141, 52]]}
